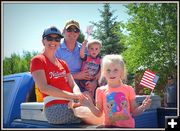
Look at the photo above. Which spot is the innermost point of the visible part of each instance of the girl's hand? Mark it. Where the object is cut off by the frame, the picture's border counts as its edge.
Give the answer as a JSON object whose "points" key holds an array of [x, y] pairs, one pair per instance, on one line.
{"points": [[146, 103], [86, 100]]}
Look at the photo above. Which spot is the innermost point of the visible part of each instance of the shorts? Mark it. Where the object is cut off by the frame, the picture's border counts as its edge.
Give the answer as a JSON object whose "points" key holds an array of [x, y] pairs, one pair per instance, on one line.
{"points": [[60, 114]]}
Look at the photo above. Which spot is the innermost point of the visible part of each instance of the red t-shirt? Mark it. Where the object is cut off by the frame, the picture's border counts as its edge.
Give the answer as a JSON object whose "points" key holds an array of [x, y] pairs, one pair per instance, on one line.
{"points": [[56, 75]]}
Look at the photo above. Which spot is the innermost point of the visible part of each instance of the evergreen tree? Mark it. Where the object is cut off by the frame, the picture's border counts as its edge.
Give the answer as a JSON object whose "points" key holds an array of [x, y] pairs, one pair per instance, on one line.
{"points": [[81, 37], [108, 31]]}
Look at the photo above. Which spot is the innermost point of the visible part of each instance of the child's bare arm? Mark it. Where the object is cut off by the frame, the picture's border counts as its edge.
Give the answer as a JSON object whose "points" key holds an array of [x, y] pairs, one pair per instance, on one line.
{"points": [[99, 72], [137, 110], [98, 75], [82, 50], [87, 101]]}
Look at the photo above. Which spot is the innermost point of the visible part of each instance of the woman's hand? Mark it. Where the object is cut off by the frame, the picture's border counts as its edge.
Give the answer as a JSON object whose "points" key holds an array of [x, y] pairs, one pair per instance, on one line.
{"points": [[73, 104], [82, 99], [77, 96]]}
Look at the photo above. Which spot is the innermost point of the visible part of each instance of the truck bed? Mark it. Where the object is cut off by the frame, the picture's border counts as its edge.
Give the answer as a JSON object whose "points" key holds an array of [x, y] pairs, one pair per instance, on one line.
{"points": [[19, 88]]}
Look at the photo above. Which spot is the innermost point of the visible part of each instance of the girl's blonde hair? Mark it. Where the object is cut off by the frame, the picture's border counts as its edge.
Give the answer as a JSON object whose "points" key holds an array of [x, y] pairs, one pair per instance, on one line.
{"points": [[114, 59]]}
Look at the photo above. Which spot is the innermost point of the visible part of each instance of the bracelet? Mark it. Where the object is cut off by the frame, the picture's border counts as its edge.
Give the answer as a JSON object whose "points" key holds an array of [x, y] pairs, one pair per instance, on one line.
{"points": [[75, 101]]}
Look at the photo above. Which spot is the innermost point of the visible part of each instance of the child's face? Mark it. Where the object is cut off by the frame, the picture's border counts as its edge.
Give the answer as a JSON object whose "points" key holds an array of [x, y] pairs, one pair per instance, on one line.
{"points": [[94, 50], [113, 72]]}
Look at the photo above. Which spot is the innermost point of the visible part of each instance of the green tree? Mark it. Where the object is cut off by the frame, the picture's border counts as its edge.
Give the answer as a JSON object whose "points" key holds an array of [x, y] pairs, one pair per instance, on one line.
{"points": [[17, 63], [152, 40], [26, 59], [6, 66], [81, 37], [108, 31], [12, 65]]}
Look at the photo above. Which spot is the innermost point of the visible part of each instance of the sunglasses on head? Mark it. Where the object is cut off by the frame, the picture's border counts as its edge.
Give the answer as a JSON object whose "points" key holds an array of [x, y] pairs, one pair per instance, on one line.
{"points": [[49, 38], [76, 30]]}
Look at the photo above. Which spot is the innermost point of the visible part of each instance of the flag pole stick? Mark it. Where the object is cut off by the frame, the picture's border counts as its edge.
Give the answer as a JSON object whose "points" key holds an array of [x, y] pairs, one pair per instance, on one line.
{"points": [[151, 93], [87, 36]]}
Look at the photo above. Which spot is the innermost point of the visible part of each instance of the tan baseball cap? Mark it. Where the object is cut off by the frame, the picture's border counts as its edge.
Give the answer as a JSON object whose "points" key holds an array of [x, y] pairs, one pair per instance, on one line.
{"points": [[70, 23]]}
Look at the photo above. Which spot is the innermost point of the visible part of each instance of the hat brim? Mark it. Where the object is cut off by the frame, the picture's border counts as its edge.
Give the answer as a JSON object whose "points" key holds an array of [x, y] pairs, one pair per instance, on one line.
{"points": [[71, 25], [61, 36], [54, 33]]}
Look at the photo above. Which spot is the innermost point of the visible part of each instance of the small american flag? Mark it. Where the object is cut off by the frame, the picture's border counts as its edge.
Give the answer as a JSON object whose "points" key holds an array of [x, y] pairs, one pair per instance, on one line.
{"points": [[89, 29], [149, 79]]}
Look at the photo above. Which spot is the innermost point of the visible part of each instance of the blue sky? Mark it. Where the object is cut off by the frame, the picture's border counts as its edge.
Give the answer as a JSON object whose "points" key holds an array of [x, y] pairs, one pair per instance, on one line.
{"points": [[24, 23]]}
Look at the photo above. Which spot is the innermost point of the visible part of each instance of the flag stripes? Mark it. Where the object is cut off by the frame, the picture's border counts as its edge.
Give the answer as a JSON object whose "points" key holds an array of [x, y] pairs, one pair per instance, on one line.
{"points": [[149, 79]]}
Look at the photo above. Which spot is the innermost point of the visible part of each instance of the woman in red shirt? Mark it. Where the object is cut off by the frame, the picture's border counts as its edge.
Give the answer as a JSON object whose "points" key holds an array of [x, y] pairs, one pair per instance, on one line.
{"points": [[54, 80]]}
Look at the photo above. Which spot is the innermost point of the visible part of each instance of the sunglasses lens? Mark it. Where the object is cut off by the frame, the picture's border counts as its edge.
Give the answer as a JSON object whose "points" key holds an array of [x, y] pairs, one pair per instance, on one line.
{"points": [[57, 39], [48, 38], [76, 30], [68, 30], [73, 30]]}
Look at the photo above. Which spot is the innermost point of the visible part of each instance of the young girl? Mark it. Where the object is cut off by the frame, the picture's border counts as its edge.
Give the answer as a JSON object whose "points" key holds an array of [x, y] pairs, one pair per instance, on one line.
{"points": [[115, 100], [91, 62]]}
